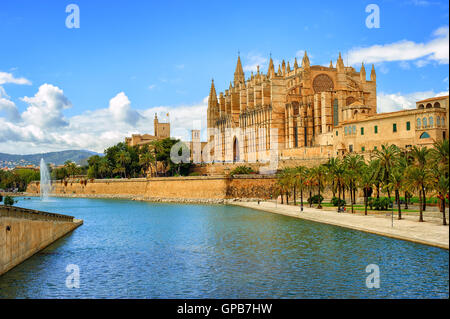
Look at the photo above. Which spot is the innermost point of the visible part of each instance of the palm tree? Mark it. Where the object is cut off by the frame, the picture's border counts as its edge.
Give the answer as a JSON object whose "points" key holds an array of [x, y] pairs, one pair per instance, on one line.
{"points": [[440, 183], [404, 161], [318, 174], [420, 156], [103, 167], [353, 164], [146, 160], [71, 168], [416, 178], [366, 181], [388, 158], [397, 179], [301, 175], [440, 162], [123, 158]]}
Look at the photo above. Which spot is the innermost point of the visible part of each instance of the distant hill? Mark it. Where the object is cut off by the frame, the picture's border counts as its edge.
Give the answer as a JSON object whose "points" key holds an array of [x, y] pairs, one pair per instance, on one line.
{"points": [[57, 158]]}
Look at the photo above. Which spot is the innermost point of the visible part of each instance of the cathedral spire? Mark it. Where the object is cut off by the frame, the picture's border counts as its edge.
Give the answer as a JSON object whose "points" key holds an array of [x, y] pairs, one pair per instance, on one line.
{"points": [[239, 72], [271, 71], [331, 64], [305, 61], [295, 64], [373, 75], [340, 64], [288, 68], [212, 94], [362, 73]]}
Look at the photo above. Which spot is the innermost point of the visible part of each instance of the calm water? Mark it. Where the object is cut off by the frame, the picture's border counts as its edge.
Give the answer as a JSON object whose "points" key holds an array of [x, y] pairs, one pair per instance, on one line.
{"points": [[129, 249]]}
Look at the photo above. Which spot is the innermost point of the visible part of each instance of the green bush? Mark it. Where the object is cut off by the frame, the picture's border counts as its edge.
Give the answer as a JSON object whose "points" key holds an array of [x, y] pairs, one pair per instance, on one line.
{"points": [[194, 174], [9, 201], [337, 202], [382, 203], [316, 199], [242, 170]]}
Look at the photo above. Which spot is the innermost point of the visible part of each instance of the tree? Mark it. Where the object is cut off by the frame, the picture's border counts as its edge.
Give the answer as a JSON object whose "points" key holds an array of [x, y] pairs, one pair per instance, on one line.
{"points": [[122, 158], [366, 181], [9, 201], [318, 174], [301, 175], [420, 156], [354, 165], [71, 168], [146, 160], [388, 158], [397, 180], [416, 177]]}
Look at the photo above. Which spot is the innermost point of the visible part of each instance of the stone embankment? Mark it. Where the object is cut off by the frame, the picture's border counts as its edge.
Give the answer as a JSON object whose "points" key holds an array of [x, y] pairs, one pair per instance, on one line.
{"points": [[24, 232]]}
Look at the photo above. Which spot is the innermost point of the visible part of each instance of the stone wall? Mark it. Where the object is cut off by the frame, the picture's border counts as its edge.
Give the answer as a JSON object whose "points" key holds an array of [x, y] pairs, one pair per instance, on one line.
{"points": [[24, 232], [192, 187]]}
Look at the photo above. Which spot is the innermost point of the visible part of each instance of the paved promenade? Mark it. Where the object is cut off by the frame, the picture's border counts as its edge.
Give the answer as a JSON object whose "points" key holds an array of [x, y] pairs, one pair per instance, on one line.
{"points": [[430, 232]]}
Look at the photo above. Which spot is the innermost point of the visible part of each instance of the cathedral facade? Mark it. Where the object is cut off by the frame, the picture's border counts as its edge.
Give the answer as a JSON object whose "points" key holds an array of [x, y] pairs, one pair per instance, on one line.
{"points": [[310, 111]]}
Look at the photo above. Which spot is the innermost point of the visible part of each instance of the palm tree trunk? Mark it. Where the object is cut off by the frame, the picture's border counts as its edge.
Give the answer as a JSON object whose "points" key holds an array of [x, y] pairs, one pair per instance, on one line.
{"points": [[343, 193], [406, 200], [365, 202], [301, 199], [320, 203], [295, 196], [287, 198], [378, 190], [397, 196], [282, 201], [339, 191], [424, 199], [310, 197], [444, 220], [420, 207]]}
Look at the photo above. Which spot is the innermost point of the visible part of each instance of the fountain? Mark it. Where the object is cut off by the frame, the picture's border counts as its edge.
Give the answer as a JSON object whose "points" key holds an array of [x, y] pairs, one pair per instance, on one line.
{"points": [[45, 184]]}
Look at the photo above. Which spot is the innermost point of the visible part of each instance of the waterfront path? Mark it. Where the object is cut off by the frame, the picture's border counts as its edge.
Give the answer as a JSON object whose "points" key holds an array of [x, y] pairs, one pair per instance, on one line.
{"points": [[430, 232]]}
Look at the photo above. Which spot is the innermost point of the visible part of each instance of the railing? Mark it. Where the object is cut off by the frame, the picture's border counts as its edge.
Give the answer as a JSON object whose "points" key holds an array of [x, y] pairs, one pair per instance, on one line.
{"points": [[18, 212]]}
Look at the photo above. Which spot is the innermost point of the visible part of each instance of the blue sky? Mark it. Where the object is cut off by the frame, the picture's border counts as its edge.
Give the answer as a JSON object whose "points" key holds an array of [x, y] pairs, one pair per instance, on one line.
{"points": [[130, 59]]}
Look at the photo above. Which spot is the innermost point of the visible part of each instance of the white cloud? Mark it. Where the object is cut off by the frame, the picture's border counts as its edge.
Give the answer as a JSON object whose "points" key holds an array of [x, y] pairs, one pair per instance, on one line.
{"points": [[93, 130], [252, 62], [9, 78], [151, 86], [435, 50], [46, 106], [397, 101], [120, 108]]}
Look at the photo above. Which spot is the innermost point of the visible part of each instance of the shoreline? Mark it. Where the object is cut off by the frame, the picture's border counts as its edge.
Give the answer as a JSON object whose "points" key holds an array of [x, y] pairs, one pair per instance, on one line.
{"points": [[426, 233], [429, 233]]}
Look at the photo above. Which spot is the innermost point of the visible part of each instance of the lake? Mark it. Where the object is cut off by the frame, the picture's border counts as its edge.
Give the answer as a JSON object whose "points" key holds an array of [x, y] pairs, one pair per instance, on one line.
{"points": [[130, 249]]}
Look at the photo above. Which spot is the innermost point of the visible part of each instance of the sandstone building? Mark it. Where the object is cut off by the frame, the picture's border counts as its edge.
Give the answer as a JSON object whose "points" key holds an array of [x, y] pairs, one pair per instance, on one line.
{"points": [[312, 111], [162, 131]]}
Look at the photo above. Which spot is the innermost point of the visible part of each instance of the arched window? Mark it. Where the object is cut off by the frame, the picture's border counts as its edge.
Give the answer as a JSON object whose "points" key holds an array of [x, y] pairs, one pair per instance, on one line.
{"points": [[438, 121], [429, 106], [345, 129], [425, 135], [354, 129], [424, 122], [421, 106], [418, 123], [431, 121], [437, 104]]}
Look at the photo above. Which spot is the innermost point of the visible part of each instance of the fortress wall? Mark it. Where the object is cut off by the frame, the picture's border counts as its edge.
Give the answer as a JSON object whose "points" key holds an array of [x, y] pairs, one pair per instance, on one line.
{"points": [[193, 187], [24, 233]]}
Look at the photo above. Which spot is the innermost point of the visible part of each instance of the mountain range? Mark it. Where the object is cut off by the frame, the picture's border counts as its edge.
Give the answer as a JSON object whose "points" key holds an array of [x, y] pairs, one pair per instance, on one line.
{"points": [[58, 158]]}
